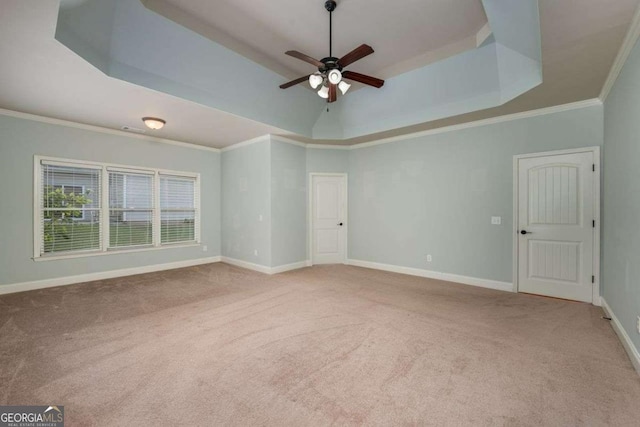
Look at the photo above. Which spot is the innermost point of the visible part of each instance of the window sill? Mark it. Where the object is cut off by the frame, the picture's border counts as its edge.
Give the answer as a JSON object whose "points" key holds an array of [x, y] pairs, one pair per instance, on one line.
{"points": [[113, 252]]}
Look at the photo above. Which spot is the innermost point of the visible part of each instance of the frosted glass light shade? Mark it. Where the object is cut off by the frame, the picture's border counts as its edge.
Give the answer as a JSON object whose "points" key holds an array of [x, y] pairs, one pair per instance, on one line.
{"points": [[324, 92], [315, 80], [335, 76], [153, 122], [344, 87]]}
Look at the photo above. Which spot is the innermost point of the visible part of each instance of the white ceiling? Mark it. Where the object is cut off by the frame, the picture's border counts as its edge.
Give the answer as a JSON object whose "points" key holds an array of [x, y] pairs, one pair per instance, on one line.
{"points": [[580, 39]]}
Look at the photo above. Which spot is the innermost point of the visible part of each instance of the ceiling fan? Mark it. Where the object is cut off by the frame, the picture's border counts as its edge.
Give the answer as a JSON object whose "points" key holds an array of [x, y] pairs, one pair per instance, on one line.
{"points": [[330, 74]]}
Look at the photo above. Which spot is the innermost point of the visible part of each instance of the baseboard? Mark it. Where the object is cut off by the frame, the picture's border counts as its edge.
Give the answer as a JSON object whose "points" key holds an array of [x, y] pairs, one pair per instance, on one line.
{"points": [[245, 264], [631, 349], [289, 267], [466, 280], [263, 268], [90, 277]]}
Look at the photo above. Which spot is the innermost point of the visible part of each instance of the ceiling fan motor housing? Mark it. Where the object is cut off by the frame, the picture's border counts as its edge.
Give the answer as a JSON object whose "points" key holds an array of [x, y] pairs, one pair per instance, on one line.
{"points": [[330, 63]]}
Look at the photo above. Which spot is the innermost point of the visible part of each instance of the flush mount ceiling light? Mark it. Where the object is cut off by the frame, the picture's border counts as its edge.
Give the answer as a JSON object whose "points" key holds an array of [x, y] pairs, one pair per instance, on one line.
{"points": [[153, 122], [330, 68]]}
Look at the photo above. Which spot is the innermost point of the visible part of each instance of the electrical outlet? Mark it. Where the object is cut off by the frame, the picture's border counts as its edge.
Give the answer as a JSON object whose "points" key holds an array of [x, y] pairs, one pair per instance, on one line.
{"points": [[255, 252], [638, 325], [496, 220], [260, 218], [204, 248], [429, 258]]}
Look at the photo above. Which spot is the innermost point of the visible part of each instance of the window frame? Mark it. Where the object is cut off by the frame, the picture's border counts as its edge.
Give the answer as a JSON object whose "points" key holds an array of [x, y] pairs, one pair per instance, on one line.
{"points": [[105, 249]]}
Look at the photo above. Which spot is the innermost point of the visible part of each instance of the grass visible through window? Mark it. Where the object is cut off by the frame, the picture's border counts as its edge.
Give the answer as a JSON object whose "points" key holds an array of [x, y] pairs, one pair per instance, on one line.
{"points": [[86, 236]]}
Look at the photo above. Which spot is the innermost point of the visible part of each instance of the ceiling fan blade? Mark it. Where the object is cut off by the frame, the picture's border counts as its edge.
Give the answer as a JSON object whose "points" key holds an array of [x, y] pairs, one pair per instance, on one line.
{"points": [[333, 93], [305, 58], [355, 55], [295, 82], [362, 78]]}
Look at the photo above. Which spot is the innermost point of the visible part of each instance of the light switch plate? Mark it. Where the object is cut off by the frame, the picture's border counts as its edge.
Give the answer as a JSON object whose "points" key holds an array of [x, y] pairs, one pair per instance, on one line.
{"points": [[496, 220]]}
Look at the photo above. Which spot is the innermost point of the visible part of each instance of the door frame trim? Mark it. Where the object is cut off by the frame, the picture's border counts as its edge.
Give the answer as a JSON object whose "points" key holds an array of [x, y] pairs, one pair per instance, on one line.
{"points": [[310, 213], [596, 212]]}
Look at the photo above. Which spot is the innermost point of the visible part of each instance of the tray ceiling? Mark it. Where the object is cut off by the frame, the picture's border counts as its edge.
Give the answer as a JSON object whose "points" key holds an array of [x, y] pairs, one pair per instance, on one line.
{"points": [[580, 39]]}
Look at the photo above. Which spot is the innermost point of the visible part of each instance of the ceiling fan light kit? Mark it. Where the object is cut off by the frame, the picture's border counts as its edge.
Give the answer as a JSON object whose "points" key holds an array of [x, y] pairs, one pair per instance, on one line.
{"points": [[334, 76], [315, 80], [344, 87], [324, 92], [330, 69]]}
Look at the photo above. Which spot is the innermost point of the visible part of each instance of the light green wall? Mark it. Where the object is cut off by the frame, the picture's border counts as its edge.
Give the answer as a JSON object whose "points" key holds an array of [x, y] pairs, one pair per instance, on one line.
{"points": [[621, 231], [21, 139], [281, 238], [246, 197], [436, 194], [288, 204], [427, 195], [327, 160]]}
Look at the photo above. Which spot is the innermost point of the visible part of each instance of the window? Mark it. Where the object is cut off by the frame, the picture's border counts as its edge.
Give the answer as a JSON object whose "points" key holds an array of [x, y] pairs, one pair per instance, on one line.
{"points": [[91, 208], [70, 208], [177, 209], [130, 209]]}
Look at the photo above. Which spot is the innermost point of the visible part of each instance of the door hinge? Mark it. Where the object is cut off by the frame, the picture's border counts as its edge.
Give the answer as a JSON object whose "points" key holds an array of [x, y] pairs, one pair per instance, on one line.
{"points": [[593, 279], [593, 167], [594, 223]]}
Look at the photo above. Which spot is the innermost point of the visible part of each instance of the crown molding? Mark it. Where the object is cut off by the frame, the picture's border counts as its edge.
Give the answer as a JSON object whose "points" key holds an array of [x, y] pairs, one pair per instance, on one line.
{"points": [[267, 137], [329, 147], [288, 140], [93, 128], [485, 122], [245, 143], [623, 54]]}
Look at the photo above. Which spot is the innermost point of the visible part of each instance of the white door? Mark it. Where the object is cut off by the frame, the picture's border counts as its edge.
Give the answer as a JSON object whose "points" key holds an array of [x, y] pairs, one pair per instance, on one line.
{"points": [[556, 225], [328, 209]]}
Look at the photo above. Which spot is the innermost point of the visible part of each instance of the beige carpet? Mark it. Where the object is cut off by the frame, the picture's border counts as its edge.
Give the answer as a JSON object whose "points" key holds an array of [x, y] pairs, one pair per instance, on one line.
{"points": [[333, 345]]}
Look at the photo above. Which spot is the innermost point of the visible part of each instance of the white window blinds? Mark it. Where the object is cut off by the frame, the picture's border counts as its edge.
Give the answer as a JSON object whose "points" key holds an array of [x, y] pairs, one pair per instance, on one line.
{"points": [[131, 209], [85, 208], [178, 204], [70, 208]]}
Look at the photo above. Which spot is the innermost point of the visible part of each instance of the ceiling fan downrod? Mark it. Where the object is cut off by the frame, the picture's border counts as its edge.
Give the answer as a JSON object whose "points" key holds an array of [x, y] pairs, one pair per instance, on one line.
{"points": [[330, 5]]}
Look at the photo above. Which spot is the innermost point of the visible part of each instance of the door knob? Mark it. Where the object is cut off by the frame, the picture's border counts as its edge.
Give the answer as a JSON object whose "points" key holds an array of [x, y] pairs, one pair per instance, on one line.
{"points": [[340, 224], [524, 232]]}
